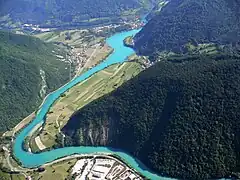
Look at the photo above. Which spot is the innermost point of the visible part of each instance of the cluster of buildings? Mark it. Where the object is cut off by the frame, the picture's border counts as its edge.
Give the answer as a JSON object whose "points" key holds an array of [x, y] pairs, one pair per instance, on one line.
{"points": [[103, 168], [35, 28], [105, 28], [133, 24]]}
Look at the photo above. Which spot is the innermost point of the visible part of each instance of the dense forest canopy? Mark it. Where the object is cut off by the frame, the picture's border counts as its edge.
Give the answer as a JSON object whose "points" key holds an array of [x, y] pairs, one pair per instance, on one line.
{"points": [[183, 21], [179, 117], [21, 59]]}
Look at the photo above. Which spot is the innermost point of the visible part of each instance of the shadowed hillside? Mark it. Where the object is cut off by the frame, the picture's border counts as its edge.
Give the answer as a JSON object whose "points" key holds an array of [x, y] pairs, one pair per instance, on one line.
{"points": [[179, 117], [183, 21]]}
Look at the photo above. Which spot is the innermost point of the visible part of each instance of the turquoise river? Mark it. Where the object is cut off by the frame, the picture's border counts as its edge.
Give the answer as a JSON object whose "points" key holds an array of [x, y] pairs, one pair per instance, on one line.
{"points": [[31, 160]]}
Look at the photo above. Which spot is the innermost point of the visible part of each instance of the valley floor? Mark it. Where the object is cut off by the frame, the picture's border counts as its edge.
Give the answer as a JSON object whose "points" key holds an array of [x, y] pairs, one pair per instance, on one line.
{"points": [[96, 86], [86, 48]]}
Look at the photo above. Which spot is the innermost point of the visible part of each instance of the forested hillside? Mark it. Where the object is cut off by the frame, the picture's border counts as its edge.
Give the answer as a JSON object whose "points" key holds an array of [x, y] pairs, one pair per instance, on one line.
{"points": [[22, 58], [183, 21], [180, 117], [52, 12]]}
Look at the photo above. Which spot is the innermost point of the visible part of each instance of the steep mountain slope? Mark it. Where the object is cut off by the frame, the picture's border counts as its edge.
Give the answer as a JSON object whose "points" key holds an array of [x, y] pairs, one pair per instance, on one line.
{"points": [[62, 11], [183, 21], [179, 117], [26, 64]]}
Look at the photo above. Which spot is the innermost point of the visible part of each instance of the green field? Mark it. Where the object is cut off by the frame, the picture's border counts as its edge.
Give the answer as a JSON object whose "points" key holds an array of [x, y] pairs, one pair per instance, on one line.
{"points": [[59, 171], [208, 48], [7, 176], [85, 92], [85, 47], [78, 38]]}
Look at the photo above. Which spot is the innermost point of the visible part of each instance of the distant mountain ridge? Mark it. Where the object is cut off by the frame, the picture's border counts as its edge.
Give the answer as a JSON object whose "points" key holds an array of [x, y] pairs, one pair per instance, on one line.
{"points": [[47, 12], [183, 21]]}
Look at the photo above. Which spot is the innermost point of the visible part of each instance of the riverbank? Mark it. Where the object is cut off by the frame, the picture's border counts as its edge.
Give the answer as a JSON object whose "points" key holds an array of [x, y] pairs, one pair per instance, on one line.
{"points": [[34, 160], [31, 160], [94, 87], [89, 48]]}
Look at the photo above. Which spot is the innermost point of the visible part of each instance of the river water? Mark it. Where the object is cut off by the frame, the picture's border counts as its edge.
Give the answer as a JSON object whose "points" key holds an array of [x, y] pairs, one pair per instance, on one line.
{"points": [[30, 160]]}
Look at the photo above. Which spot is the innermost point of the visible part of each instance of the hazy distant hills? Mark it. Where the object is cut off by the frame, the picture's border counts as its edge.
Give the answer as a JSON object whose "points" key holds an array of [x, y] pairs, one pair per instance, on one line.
{"points": [[51, 12], [183, 21], [26, 65]]}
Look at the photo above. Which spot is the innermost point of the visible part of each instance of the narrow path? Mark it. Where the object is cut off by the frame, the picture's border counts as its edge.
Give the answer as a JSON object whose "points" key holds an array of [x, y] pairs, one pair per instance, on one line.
{"points": [[95, 50], [107, 73], [81, 95], [14, 169], [118, 69], [9, 164], [57, 123], [89, 97], [80, 68], [59, 130]]}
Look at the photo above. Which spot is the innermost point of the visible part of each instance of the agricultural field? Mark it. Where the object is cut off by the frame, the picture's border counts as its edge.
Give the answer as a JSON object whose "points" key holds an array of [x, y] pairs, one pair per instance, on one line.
{"points": [[86, 47], [7, 176], [76, 38], [59, 171], [85, 92]]}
